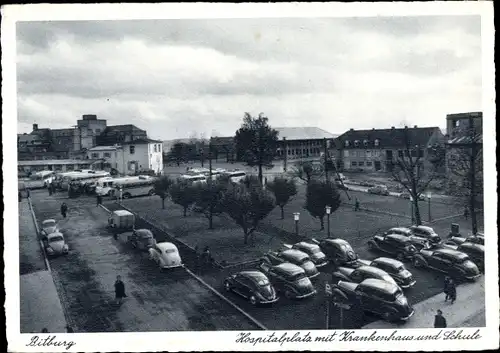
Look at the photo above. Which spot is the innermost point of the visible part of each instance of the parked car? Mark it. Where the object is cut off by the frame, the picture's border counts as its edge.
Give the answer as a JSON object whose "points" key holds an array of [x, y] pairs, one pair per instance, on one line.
{"points": [[165, 254], [475, 239], [289, 279], [453, 262], [474, 251], [394, 244], [416, 241], [312, 250], [292, 256], [399, 230], [426, 232], [359, 274], [141, 239], [253, 285], [377, 296], [396, 269], [55, 244], [340, 176], [338, 251], [48, 226], [406, 195], [379, 190]]}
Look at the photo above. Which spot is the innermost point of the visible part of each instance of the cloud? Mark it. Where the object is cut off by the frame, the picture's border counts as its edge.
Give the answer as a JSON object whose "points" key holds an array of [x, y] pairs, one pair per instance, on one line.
{"points": [[173, 76]]}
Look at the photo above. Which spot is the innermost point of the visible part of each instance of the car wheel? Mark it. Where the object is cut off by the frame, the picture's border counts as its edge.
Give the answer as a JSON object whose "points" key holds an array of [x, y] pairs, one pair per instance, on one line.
{"points": [[227, 286], [253, 300]]}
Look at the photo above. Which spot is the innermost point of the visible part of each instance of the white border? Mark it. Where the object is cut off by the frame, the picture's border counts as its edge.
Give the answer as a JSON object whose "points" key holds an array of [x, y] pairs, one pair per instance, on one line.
{"points": [[225, 341]]}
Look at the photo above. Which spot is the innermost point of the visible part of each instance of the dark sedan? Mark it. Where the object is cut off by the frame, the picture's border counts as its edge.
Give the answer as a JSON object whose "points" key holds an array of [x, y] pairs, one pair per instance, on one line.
{"points": [[376, 296], [253, 285], [450, 261], [395, 244], [289, 279], [396, 269], [426, 232], [293, 256], [475, 239], [474, 251], [338, 251], [359, 274], [313, 250]]}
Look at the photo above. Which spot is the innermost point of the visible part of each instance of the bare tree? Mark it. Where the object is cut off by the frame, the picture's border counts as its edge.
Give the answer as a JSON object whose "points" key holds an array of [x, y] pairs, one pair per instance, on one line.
{"points": [[306, 171], [408, 169]]}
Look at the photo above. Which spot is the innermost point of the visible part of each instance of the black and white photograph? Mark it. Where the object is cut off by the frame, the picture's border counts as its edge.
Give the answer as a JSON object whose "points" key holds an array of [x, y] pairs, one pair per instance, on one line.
{"points": [[250, 177]]}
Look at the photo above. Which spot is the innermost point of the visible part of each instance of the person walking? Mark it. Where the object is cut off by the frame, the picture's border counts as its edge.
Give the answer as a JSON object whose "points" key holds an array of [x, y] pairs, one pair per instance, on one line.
{"points": [[466, 212], [446, 288], [452, 290], [356, 205], [27, 193], [439, 320], [99, 200], [64, 209], [119, 290], [49, 188]]}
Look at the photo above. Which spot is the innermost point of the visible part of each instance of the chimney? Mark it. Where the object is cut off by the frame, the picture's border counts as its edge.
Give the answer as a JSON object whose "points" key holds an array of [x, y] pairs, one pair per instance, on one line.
{"points": [[351, 129], [35, 127], [415, 126]]}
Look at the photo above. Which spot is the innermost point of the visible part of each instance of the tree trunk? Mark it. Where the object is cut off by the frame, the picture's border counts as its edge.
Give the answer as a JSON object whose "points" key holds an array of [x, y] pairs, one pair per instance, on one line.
{"points": [[185, 211], [163, 203], [322, 220], [260, 173], [418, 219], [245, 234], [282, 212]]}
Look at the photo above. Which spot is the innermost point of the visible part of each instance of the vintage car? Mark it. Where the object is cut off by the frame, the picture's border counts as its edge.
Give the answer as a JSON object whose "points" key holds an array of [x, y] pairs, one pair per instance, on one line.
{"points": [[293, 256], [55, 245], [253, 285], [474, 251], [426, 232], [289, 279], [452, 262], [379, 190], [48, 226], [165, 254], [121, 221], [394, 244], [359, 274], [374, 295], [406, 195], [338, 251], [313, 250], [141, 239], [396, 269], [475, 239], [416, 241], [399, 230]]}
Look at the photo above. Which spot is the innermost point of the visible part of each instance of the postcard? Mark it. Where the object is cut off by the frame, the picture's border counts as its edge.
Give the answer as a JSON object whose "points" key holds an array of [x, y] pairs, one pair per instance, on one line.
{"points": [[250, 177]]}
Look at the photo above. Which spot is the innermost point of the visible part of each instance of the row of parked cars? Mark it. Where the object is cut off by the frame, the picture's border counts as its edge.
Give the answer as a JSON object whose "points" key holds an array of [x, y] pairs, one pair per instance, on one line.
{"points": [[375, 285]]}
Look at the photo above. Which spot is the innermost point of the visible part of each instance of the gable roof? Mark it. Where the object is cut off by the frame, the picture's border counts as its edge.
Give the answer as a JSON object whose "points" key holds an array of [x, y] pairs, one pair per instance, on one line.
{"points": [[140, 141], [303, 133], [387, 137], [122, 128]]}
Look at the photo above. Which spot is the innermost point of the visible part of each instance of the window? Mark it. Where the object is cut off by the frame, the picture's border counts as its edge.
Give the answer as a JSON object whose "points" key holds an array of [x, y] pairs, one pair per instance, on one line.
{"points": [[354, 164], [368, 163], [400, 154], [376, 153], [361, 153], [132, 149], [346, 153], [159, 147], [346, 143], [95, 155], [361, 164], [156, 147], [107, 154], [356, 143], [377, 141], [365, 143], [368, 153]]}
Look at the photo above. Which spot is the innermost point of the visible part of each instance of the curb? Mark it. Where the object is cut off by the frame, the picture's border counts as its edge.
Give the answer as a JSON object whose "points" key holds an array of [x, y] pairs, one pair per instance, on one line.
{"points": [[45, 257], [216, 292], [105, 208]]}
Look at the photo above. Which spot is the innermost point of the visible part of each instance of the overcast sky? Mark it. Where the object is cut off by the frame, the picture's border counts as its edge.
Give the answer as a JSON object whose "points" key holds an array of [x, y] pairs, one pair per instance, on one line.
{"points": [[175, 78]]}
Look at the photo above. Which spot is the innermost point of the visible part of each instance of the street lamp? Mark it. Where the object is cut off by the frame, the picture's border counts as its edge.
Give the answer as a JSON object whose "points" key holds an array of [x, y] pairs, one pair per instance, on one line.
{"points": [[328, 212], [429, 203], [296, 217], [411, 204]]}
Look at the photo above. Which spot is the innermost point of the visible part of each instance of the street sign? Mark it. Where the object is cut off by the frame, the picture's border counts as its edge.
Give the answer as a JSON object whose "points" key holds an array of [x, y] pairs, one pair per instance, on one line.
{"points": [[328, 289], [342, 305]]}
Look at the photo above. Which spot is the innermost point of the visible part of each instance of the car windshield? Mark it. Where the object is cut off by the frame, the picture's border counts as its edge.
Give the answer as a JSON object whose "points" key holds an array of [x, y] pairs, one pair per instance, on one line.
{"points": [[302, 260], [298, 277], [459, 259], [315, 250], [400, 268], [54, 239]]}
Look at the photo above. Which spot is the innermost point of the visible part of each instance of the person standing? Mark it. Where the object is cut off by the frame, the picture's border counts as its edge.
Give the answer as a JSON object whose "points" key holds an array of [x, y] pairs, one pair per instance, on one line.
{"points": [[466, 212], [356, 205], [19, 196], [452, 290], [439, 320], [27, 193], [99, 200], [64, 209], [446, 288], [49, 188], [119, 290]]}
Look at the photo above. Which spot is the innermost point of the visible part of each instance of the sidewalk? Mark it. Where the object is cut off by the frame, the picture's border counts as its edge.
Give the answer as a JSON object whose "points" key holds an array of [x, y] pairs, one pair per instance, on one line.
{"points": [[468, 310], [30, 254]]}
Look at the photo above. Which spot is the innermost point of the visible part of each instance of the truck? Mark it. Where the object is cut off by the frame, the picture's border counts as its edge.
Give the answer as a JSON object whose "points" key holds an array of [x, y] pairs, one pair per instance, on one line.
{"points": [[123, 222]]}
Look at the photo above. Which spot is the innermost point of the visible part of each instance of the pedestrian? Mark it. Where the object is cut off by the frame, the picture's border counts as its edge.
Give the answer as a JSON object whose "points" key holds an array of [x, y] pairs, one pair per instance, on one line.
{"points": [[452, 290], [64, 209], [119, 290], [19, 196], [466, 213], [49, 188], [356, 205], [446, 288], [99, 200], [27, 193], [69, 329], [439, 320], [121, 194], [206, 256]]}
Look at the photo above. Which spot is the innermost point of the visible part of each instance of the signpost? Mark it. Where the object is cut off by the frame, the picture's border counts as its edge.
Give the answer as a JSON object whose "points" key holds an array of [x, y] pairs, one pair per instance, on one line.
{"points": [[328, 292], [342, 307]]}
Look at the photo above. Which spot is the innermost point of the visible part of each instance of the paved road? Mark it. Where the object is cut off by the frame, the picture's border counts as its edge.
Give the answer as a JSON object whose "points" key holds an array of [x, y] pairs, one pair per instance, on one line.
{"points": [[30, 254], [157, 301]]}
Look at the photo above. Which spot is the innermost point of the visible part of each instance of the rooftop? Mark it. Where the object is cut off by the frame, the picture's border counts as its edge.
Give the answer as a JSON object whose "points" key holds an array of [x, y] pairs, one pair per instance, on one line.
{"points": [[303, 133], [125, 127], [103, 148], [141, 141], [55, 161]]}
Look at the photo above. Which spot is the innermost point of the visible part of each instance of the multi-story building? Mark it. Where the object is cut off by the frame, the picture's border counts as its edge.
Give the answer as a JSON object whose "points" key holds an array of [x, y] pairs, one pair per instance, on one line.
{"points": [[458, 124], [377, 149], [130, 157], [119, 134]]}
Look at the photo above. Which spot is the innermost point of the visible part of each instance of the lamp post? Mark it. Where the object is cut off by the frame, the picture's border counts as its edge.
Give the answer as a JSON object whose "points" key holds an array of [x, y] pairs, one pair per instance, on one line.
{"points": [[296, 217], [328, 212], [429, 204], [411, 207]]}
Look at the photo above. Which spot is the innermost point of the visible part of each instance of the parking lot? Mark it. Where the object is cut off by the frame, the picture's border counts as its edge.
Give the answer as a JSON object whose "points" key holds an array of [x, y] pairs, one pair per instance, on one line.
{"points": [[157, 300]]}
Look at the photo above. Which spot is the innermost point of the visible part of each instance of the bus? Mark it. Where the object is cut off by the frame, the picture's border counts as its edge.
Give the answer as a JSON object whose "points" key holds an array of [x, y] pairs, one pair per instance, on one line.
{"points": [[104, 186], [40, 179], [195, 179], [142, 185], [82, 177], [236, 176]]}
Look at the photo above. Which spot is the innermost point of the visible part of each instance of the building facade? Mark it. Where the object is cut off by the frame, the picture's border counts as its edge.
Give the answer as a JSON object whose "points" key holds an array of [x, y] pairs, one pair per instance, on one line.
{"points": [[378, 149], [130, 157], [458, 124], [303, 143]]}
